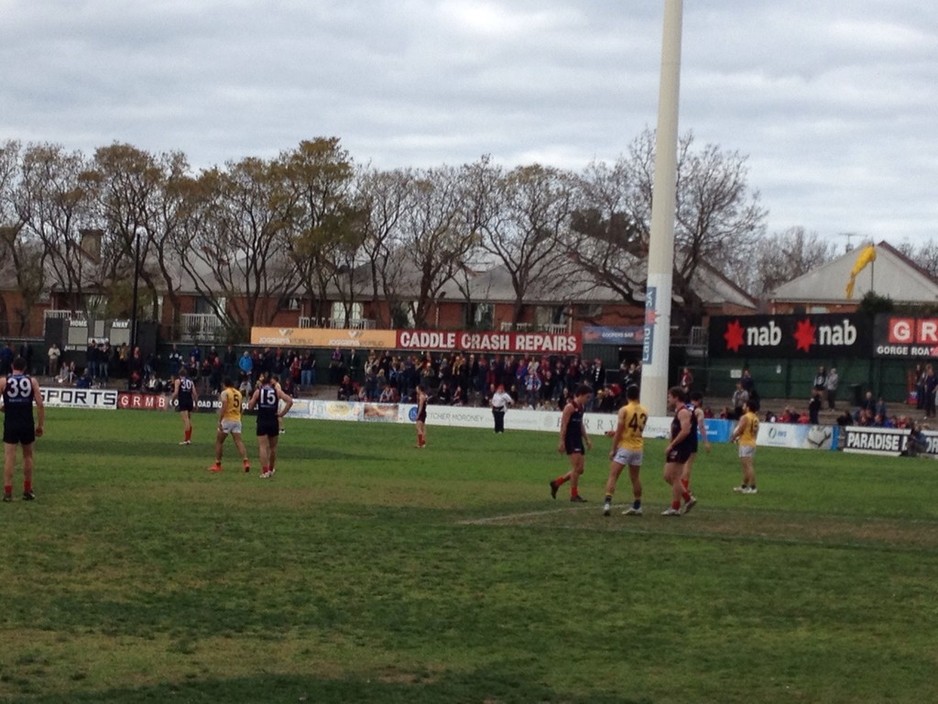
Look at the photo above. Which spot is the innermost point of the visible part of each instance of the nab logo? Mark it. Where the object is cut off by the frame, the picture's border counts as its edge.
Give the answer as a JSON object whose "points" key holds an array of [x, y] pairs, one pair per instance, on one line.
{"points": [[752, 336]]}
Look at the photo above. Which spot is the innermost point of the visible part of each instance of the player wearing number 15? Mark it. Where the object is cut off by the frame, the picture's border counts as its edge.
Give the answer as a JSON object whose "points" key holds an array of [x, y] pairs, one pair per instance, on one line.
{"points": [[272, 404], [628, 446], [20, 392]]}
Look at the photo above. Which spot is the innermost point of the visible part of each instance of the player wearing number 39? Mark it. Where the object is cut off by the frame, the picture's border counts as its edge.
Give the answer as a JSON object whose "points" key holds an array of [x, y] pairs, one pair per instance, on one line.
{"points": [[628, 446], [272, 404], [20, 392]]}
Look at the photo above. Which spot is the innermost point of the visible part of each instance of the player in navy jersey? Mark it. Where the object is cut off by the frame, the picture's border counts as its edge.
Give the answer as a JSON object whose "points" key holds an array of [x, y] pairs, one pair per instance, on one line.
{"points": [[185, 394], [272, 404], [572, 439], [421, 420], [20, 392], [678, 451]]}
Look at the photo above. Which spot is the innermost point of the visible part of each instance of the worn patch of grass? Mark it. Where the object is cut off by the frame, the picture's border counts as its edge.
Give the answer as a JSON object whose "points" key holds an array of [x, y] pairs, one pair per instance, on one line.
{"points": [[369, 571]]}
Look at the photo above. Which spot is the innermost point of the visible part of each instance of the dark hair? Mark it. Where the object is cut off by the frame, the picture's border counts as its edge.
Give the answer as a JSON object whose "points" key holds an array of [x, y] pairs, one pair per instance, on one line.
{"points": [[227, 381], [583, 390], [19, 364], [678, 393], [753, 405], [696, 396], [631, 393]]}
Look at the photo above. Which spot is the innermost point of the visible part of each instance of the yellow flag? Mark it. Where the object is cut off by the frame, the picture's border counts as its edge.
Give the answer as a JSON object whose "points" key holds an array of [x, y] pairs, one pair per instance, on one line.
{"points": [[866, 256]]}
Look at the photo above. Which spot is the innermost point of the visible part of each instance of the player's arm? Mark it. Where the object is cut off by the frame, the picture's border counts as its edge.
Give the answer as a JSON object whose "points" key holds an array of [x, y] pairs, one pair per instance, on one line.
{"points": [[40, 407], [564, 422], [223, 407], [288, 401], [617, 434], [253, 400], [740, 427], [586, 438], [175, 390], [683, 417], [702, 428]]}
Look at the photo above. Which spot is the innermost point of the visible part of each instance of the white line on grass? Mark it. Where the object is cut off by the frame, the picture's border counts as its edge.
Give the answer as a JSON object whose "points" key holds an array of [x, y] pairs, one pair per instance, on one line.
{"points": [[516, 516]]}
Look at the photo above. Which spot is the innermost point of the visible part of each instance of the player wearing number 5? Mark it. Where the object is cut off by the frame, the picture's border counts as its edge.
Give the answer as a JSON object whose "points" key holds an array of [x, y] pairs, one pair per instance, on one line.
{"points": [[628, 446], [20, 392], [272, 404]]}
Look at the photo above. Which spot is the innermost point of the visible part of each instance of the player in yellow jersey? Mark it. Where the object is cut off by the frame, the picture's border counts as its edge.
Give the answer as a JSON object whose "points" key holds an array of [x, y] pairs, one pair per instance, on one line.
{"points": [[229, 423], [746, 433], [628, 445]]}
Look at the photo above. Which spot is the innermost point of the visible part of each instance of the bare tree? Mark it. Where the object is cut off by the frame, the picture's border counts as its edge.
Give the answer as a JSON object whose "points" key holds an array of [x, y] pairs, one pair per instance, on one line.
{"points": [[55, 206], [718, 219], [385, 197], [525, 224], [783, 257], [435, 235]]}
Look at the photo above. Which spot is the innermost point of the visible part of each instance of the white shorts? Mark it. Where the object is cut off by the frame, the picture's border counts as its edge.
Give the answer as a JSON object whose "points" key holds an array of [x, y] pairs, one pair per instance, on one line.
{"points": [[747, 451], [628, 458], [231, 426]]}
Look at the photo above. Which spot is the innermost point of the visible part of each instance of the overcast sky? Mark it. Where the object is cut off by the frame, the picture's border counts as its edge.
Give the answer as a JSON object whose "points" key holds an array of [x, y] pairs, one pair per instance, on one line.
{"points": [[834, 102]]}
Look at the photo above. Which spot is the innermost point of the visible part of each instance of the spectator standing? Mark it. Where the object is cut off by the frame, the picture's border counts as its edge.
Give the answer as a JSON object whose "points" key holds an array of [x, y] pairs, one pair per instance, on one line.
{"points": [[833, 380], [54, 355], [820, 380], [500, 402]]}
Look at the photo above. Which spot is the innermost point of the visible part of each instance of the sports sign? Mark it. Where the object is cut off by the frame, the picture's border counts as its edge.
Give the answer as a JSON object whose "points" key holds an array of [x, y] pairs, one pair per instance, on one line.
{"points": [[903, 337], [79, 398], [323, 337], [806, 336], [875, 441]]}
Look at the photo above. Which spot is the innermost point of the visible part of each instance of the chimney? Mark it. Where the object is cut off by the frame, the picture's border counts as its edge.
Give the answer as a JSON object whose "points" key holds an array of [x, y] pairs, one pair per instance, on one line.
{"points": [[91, 244]]}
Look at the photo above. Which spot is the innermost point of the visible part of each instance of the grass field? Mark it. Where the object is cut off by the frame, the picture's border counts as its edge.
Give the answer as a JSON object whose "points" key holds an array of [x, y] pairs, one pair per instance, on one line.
{"points": [[369, 571]]}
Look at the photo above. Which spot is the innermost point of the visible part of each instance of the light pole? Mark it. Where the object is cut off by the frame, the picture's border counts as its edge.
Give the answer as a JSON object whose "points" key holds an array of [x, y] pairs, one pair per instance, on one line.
{"points": [[133, 310], [657, 340]]}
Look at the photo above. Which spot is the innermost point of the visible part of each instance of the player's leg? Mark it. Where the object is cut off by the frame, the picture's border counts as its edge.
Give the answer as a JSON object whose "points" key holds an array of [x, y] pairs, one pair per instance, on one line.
{"points": [[9, 462], [749, 473], [219, 449], [686, 472], [636, 508], [577, 462], [615, 469], [272, 459], [242, 450], [28, 471], [263, 450], [672, 475]]}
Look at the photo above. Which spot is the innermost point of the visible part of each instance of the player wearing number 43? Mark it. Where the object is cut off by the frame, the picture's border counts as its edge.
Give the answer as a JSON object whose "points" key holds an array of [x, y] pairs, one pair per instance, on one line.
{"points": [[628, 446], [272, 404], [19, 392]]}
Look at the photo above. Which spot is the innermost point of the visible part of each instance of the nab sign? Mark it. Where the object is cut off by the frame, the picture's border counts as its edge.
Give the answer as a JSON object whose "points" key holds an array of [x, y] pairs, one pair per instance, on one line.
{"points": [[805, 336]]}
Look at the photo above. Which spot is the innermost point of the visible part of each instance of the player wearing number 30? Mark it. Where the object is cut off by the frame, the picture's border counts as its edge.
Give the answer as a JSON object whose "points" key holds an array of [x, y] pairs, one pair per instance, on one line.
{"points": [[628, 445], [272, 404], [20, 392]]}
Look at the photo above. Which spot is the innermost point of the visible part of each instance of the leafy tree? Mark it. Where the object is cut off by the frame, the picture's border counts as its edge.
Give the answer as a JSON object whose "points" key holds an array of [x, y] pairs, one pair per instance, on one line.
{"points": [[327, 224], [237, 240]]}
